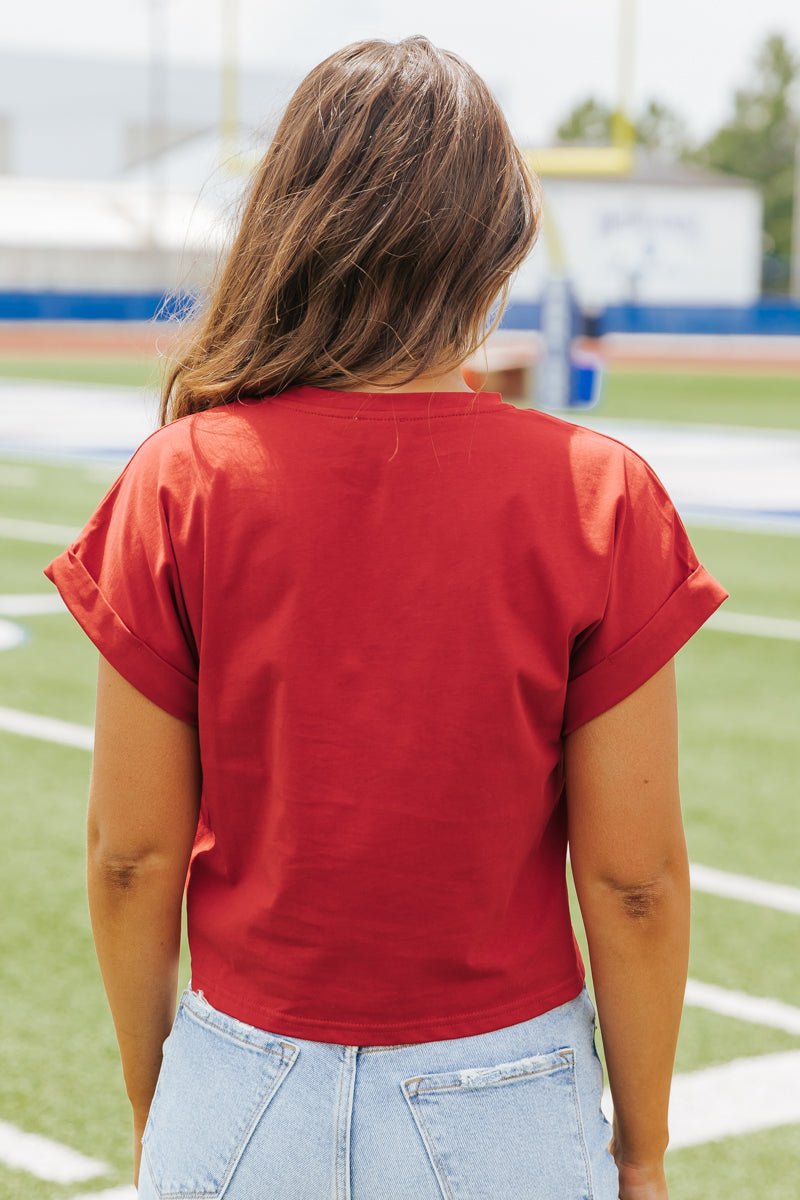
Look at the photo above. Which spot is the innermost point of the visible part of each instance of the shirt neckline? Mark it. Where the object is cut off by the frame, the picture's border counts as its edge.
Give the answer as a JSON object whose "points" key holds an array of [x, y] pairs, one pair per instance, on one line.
{"points": [[399, 404]]}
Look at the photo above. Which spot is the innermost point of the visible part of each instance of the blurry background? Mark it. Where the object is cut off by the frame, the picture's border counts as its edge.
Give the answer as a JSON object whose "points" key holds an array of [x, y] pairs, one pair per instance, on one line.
{"points": [[661, 305]]}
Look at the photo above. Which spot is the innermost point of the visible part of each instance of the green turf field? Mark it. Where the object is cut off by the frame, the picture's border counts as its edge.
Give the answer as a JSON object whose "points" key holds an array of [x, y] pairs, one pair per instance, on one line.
{"points": [[738, 705], [741, 398]]}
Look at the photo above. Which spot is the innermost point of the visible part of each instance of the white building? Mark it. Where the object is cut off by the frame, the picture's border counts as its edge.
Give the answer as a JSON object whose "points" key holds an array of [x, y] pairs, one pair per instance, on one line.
{"points": [[666, 234]]}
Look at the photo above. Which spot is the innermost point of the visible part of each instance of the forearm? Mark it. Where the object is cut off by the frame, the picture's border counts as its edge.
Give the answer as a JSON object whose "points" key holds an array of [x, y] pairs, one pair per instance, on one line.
{"points": [[638, 943], [135, 911]]}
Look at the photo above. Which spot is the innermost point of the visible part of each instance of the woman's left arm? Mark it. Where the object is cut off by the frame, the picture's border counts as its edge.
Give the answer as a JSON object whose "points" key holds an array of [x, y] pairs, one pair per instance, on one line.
{"points": [[144, 801]]}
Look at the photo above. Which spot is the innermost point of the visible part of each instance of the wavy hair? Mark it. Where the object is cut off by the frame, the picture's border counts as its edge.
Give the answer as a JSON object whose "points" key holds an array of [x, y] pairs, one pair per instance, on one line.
{"points": [[388, 214]]}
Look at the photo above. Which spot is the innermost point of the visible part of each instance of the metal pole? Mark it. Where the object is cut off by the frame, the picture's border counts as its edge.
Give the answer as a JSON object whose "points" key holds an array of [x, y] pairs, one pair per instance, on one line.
{"points": [[626, 45], [156, 117], [229, 123], [795, 276]]}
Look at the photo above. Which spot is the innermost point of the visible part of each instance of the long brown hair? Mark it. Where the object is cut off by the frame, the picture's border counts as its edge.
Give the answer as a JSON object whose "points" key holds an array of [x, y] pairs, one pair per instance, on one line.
{"points": [[387, 215]]}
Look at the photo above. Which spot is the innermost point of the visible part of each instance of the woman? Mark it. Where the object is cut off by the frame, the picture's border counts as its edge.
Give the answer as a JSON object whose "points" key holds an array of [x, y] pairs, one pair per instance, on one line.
{"points": [[374, 647]]}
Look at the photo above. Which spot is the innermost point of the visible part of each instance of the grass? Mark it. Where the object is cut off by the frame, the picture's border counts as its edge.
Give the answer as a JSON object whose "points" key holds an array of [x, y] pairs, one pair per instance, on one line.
{"points": [[111, 369], [744, 398]]}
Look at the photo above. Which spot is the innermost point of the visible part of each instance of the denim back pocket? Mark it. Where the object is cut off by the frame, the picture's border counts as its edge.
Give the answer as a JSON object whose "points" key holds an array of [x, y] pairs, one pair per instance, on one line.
{"points": [[212, 1090], [514, 1129]]}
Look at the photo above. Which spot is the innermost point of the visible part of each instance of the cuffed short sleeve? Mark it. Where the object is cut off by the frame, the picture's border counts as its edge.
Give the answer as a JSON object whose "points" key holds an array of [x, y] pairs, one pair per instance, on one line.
{"points": [[120, 579], [658, 596]]}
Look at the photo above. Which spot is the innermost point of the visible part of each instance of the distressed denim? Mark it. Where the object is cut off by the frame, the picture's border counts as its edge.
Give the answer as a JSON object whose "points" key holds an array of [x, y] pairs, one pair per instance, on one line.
{"points": [[246, 1114]]}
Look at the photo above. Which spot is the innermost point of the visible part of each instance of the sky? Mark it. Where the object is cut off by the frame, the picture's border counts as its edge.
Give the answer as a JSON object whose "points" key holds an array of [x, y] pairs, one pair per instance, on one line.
{"points": [[539, 59]]}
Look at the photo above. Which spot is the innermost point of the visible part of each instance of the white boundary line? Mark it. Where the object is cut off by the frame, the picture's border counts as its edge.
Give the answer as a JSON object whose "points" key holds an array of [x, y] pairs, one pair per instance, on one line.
{"points": [[780, 896], [11, 634], [755, 625], [758, 1010], [21, 604], [44, 1158], [46, 729], [37, 531]]}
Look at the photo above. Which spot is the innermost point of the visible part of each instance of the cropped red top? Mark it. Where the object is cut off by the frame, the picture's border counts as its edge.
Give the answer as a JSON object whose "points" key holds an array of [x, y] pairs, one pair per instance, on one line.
{"points": [[383, 611]]}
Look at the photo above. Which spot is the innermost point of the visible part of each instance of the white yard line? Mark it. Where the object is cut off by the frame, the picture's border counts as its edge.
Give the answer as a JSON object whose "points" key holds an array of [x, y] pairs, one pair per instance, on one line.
{"points": [[754, 625], [46, 729], [37, 531], [737, 1097], [31, 604], [44, 1158], [11, 634], [758, 1010], [781, 896]]}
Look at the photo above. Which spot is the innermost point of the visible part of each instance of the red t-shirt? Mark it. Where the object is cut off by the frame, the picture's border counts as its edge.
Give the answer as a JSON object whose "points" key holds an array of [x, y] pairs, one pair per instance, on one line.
{"points": [[384, 612]]}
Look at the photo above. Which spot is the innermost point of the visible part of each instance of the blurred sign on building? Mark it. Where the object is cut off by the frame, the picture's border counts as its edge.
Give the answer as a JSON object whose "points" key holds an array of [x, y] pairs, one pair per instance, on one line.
{"points": [[665, 234]]}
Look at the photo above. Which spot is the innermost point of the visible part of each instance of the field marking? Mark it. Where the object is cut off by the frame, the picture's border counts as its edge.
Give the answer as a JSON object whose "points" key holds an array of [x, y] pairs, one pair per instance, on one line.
{"points": [[734, 1098], [780, 896], [11, 635], [46, 729], [44, 1158], [758, 1010], [756, 626], [21, 604], [37, 531]]}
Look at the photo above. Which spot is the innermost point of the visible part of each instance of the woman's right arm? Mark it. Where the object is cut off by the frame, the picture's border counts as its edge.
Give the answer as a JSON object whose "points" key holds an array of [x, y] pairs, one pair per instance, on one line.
{"points": [[631, 872]]}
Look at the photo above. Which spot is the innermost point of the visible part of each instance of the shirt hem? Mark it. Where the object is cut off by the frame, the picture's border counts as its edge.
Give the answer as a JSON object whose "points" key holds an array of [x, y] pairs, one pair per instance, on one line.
{"points": [[377, 1033]]}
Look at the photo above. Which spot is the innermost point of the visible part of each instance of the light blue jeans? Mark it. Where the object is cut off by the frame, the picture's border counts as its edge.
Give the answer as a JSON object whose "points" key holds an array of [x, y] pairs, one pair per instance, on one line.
{"points": [[246, 1114]]}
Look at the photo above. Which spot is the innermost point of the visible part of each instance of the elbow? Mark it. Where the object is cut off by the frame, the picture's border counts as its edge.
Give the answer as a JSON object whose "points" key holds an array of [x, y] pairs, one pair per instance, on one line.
{"points": [[119, 854], [645, 900], [642, 900], [122, 869], [114, 872], [641, 896]]}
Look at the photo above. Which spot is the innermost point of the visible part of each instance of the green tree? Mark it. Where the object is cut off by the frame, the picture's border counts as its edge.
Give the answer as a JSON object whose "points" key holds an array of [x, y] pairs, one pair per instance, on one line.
{"points": [[588, 124], [662, 130], [759, 141], [657, 128]]}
